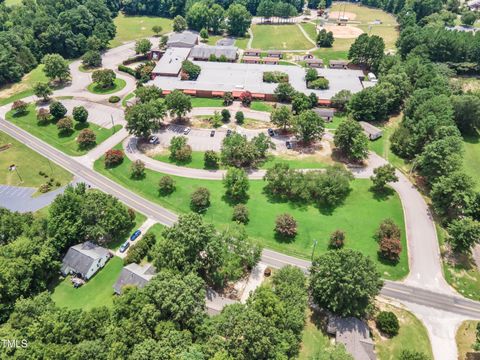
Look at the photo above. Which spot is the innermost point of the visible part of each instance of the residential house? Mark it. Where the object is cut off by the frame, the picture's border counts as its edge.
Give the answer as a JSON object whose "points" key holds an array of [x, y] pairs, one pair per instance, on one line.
{"points": [[371, 131], [84, 260], [354, 334], [325, 113], [134, 274], [204, 52]]}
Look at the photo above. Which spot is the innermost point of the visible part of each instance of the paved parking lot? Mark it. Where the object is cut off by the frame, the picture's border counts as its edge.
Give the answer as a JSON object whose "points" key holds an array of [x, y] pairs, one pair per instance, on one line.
{"points": [[200, 139], [20, 199]]}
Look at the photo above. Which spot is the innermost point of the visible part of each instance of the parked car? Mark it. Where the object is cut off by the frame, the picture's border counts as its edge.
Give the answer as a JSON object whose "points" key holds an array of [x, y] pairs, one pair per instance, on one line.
{"points": [[154, 140], [124, 246], [186, 131], [271, 132], [229, 132], [212, 133], [135, 235], [288, 144]]}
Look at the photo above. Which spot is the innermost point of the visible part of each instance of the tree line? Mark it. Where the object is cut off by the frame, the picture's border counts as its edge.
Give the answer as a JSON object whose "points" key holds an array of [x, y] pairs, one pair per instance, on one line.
{"points": [[34, 29]]}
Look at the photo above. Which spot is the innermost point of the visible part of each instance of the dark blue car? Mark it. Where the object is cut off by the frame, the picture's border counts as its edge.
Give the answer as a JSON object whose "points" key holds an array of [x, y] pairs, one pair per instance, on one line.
{"points": [[135, 235]]}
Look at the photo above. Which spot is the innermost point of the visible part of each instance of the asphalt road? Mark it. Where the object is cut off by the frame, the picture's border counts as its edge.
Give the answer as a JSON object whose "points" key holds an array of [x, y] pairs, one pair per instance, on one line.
{"points": [[395, 290]]}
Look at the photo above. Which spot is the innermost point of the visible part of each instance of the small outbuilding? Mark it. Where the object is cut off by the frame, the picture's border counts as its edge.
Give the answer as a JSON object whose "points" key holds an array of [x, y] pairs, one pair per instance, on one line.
{"points": [[205, 52], [274, 54], [134, 274], [252, 52], [252, 60], [184, 39], [314, 63], [338, 64], [372, 132], [84, 260], [271, 61], [325, 113]]}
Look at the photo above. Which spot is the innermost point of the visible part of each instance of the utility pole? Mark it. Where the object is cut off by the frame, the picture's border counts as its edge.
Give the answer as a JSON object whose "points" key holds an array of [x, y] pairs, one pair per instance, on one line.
{"points": [[314, 246]]}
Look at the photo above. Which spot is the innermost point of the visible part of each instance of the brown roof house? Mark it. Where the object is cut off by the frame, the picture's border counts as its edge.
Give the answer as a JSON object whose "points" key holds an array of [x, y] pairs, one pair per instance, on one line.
{"points": [[314, 63], [338, 64], [84, 260], [354, 334], [252, 52], [134, 274]]}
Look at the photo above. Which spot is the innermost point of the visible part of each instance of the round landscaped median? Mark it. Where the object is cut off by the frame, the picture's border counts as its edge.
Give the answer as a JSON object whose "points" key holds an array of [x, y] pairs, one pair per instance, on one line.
{"points": [[95, 88]]}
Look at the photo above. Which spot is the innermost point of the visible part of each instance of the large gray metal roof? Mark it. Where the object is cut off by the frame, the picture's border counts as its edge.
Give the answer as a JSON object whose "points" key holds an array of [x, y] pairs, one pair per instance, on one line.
{"points": [[134, 274]]}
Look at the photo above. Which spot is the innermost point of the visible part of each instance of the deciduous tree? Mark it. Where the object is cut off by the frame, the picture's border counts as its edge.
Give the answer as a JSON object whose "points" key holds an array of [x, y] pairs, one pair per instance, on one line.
{"points": [[236, 184], [351, 141]]}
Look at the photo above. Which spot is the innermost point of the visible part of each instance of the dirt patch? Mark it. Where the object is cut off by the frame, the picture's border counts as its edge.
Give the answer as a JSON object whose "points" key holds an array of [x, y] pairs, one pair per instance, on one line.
{"points": [[334, 15], [344, 32], [320, 152]]}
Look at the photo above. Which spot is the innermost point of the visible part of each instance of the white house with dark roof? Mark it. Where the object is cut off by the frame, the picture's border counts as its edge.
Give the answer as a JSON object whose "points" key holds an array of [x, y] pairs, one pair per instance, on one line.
{"points": [[84, 260], [134, 274]]}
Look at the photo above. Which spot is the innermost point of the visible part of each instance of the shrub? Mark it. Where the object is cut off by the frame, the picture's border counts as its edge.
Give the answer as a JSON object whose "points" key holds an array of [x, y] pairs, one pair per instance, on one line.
{"points": [[225, 115], [412, 355], [204, 34], [200, 200], [19, 107], [390, 248], [86, 138], [275, 77], [43, 115], [239, 117], [113, 99], [211, 159], [65, 125], [240, 214], [184, 154], [127, 70], [166, 185], [286, 226], [320, 83], [337, 239], [137, 169], [212, 58], [388, 229], [57, 110], [113, 157], [179, 149], [311, 75], [191, 70], [222, 58], [387, 323], [227, 98], [143, 72], [80, 114], [44, 188], [246, 98]]}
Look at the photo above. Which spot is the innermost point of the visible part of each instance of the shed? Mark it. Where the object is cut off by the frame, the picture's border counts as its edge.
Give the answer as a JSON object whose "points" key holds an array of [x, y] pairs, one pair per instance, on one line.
{"points": [[184, 39], [252, 52], [325, 113], [338, 64], [314, 63], [134, 274], [354, 334], [371, 131], [84, 260], [204, 52], [271, 61], [274, 54], [252, 59]]}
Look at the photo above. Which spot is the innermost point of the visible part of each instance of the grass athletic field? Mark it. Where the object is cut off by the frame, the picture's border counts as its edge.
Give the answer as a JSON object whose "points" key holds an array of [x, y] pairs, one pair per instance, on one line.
{"points": [[279, 37], [359, 216]]}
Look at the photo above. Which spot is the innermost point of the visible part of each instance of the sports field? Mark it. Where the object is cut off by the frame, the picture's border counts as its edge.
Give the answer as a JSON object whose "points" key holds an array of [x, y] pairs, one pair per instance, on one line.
{"points": [[279, 37]]}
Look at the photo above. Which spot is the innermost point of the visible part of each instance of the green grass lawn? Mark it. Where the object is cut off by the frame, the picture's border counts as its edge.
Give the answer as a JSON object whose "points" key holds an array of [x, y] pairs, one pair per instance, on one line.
{"points": [[197, 162], [388, 33], [337, 119], [471, 157], [339, 51], [359, 216], [261, 106], [279, 37], [212, 39], [412, 336], [314, 340], [206, 102], [119, 84], [12, 92], [98, 291], [126, 98], [242, 42], [49, 133], [131, 28], [466, 337], [29, 163], [12, 2], [310, 29]]}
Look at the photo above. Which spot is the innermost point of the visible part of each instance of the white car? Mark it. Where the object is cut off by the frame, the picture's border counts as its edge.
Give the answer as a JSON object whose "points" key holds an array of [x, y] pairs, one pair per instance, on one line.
{"points": [[186, 131]]}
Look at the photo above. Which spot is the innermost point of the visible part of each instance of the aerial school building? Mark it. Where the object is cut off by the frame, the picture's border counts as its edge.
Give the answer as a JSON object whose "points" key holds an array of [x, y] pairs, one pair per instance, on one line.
{"points": [[216, 78]]}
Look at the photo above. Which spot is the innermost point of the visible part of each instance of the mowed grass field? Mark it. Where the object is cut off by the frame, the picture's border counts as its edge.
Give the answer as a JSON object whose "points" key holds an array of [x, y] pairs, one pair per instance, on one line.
{"points": [[29, 163], [471, 158], [279, 37], [412, 336], [49, 133], [98, 291], [131, 28], [359, 216], [12, 92], [363, 20]]}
